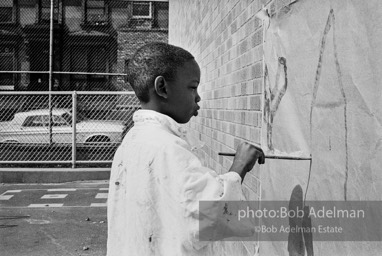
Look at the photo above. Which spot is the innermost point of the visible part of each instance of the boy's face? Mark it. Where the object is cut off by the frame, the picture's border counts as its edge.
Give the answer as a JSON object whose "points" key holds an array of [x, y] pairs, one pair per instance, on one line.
{"points": [[182, 93]]}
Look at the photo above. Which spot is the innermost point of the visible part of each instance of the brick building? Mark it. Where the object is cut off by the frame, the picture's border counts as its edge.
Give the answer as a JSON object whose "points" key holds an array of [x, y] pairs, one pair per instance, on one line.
{"points": [[89, 36]]}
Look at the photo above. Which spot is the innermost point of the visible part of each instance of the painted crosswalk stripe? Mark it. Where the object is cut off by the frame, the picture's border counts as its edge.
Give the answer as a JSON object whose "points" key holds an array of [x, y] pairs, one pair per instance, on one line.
{"points": [[12, 191], [44, 205], [101, 195], [98, 205], [5, 197], [53, 196], [61, 189], [104, 189]]}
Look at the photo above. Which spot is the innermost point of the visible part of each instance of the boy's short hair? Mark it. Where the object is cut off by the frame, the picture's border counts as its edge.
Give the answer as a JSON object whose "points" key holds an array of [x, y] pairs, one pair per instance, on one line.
{"points": [[153, 60]]}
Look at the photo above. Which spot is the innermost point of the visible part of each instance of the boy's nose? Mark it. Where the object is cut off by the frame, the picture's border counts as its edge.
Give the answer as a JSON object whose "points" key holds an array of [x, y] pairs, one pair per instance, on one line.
{"points": [[198, 97]]}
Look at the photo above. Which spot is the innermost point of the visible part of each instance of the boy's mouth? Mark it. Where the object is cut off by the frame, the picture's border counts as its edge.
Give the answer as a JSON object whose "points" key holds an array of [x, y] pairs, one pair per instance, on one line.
{"points": [[196, 111]]}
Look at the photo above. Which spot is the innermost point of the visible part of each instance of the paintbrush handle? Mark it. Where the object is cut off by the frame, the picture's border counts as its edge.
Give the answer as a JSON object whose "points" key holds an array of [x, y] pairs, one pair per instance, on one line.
{"points": [[271, 156]]}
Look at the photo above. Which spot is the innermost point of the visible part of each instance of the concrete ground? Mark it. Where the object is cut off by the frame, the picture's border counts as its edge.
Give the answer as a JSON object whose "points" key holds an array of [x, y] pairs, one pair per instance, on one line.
{"points": [[52, 174], [53, 219]]}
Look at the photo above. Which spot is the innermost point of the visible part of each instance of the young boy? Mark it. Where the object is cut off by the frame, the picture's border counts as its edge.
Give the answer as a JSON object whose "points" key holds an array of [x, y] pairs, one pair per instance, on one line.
{"points": [[156, 180]]}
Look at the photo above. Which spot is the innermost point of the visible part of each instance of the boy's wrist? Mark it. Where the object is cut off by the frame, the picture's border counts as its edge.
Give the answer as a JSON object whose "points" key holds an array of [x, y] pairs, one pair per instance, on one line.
{"points": [[239, 169]]}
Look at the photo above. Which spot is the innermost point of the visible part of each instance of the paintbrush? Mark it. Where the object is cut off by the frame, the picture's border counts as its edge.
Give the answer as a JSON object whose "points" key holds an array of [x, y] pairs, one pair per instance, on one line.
{"points": [[272, 156]]}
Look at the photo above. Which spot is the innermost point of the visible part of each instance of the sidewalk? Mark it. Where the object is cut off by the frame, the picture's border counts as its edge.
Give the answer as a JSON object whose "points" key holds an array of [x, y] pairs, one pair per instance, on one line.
{"points": [[52, 175]]}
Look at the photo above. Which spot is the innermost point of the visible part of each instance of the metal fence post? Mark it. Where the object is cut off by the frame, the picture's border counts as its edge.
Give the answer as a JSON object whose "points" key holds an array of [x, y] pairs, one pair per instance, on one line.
{"points": [[50, 73], [74, 131]]}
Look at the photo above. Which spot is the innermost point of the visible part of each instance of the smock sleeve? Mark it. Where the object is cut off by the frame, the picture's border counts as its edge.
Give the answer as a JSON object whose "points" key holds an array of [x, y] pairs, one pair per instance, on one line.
{"points": [[203, 196]]}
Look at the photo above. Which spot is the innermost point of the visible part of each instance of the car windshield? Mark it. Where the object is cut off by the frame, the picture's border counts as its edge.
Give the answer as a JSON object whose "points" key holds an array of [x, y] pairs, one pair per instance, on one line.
{"points": [[68, 117]]}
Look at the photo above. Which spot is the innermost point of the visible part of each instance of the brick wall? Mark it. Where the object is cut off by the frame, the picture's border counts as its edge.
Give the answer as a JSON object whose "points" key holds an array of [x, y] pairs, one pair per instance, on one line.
{"points": [[226, 39]]}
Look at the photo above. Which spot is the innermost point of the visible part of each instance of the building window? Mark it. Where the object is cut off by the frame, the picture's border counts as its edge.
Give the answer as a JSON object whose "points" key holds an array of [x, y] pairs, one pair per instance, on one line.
{"points": [[73, 15], [45, 11], [142, 10], [7, 63], [95, 12], [161, 15], [6, 11], [27, 12]]}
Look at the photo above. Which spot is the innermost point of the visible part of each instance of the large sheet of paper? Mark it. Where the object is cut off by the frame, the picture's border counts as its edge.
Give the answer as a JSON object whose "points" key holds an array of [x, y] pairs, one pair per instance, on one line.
{"points": [[322, 97]]}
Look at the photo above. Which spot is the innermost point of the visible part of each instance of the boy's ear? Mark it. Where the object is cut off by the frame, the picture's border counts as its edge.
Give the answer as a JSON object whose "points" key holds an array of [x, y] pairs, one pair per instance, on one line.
{"points": [[160, 86]]}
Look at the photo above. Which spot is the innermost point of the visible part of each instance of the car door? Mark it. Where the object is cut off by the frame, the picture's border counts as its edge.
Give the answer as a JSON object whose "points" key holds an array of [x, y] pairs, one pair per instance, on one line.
{"points": [[62, 130]]}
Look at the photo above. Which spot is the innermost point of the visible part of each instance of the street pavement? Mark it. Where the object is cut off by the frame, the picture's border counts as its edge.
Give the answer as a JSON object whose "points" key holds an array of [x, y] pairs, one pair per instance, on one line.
{"points": [[53, 219]]}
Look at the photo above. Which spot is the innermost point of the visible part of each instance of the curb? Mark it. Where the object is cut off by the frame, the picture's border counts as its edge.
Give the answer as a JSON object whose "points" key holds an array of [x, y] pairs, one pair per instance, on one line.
{"points": [[52, 175]]}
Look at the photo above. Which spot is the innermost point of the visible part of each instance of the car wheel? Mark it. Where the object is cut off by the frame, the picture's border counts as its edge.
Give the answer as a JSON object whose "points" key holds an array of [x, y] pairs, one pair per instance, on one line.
{"points": [[97, 139]]}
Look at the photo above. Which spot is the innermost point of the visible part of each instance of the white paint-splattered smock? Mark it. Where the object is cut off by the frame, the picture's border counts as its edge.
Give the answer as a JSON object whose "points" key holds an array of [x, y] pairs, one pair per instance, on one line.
{"points": [[155, 186]]}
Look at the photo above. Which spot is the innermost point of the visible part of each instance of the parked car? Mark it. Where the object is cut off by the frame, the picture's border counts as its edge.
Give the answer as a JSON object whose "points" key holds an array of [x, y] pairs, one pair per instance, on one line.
{"points": [[33, 127]]}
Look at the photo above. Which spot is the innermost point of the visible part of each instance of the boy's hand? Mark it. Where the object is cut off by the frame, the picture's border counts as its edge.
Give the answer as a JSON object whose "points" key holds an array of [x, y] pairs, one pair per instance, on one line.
{"points": [[246, 157]]}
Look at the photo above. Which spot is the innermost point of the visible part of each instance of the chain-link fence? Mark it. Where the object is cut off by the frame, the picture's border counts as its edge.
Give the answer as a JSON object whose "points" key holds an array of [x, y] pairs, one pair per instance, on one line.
{"points": [[61, 46], [76, 127]]}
